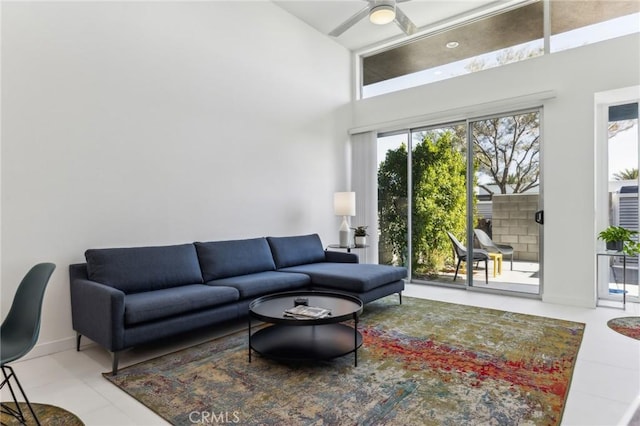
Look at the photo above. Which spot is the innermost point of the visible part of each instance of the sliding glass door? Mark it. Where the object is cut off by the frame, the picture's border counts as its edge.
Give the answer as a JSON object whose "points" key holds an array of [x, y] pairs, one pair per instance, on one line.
{"points": [[507, 182], [439, 206]]}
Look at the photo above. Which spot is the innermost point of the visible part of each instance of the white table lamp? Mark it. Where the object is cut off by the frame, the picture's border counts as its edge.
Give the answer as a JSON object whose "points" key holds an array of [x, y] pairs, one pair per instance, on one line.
{"points": [[344, 204]]}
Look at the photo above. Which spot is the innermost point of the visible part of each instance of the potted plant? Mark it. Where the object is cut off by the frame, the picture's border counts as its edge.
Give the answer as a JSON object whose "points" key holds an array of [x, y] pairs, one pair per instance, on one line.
{"points": [[360, 235], [619, 239]]}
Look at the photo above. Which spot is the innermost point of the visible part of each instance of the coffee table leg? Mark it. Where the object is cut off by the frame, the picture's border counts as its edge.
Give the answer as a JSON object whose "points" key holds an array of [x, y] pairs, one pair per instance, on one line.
{"points": [[249, 338], [355, 338]]}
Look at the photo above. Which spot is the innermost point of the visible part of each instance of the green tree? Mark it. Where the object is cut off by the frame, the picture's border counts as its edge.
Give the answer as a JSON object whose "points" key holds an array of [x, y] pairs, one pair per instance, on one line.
{"points": [[439, 200], [508, 151], [392, 203]]}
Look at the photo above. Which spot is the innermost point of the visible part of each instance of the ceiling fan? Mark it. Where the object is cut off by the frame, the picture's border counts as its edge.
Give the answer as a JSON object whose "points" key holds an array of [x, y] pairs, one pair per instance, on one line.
{"points": [[380, 12]]}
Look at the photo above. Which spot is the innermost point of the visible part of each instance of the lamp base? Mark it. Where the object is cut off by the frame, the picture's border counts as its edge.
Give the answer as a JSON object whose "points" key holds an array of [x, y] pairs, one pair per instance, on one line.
{"points": [[344, 238], [345, 233]]}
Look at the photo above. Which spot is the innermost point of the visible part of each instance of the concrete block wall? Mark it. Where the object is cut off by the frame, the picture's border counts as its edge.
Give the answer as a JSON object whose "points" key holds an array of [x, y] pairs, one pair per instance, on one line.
{"points": [[513, 223]]}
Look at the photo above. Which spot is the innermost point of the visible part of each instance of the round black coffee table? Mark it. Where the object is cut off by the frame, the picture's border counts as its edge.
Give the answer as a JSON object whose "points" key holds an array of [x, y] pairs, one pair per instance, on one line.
{"points": [[305, 339]]}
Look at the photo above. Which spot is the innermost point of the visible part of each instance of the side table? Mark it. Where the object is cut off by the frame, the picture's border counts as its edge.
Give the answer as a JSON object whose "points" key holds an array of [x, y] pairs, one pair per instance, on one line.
{"points": [[347, 248], [497, 263]]}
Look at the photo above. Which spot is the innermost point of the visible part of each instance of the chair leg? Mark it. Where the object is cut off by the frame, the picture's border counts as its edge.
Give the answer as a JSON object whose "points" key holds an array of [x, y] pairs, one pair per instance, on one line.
{"points": [[18, 414], [78, 337], [486, 271], [457, 267], [512, 261]]}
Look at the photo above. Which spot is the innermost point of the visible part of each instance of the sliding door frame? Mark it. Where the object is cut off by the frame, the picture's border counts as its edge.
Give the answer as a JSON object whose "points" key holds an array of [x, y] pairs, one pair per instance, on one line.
{"points": [[410, 130], [470, 175]]}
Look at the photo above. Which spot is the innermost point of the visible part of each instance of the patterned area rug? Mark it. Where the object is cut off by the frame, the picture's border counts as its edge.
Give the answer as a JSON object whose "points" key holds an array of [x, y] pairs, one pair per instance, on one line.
{"points": [[629, 326], [47, 415], [422, 362]]}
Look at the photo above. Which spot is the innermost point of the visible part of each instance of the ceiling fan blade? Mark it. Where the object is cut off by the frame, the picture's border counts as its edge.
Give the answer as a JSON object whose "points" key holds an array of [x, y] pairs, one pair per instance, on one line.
{"points": [[349, 22], [404, 22]]}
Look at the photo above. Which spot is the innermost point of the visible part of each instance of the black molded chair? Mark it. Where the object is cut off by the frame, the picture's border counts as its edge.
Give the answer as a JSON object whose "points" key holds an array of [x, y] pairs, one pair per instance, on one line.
{"points": [[20, 330], [461, 254], [487, 244]]}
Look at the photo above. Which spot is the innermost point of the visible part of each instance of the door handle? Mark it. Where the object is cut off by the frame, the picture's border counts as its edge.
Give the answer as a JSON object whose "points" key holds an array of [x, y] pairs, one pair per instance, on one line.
{"points": [[539, 217]]}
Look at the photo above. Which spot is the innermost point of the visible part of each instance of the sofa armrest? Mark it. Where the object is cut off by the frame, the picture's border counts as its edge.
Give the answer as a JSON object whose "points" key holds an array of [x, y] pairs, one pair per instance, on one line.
{"points": [[340, 257], [97, 311]]}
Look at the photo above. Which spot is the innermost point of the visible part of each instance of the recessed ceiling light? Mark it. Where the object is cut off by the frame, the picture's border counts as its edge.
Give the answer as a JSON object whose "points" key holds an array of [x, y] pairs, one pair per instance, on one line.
{"points": [[452, 44]]}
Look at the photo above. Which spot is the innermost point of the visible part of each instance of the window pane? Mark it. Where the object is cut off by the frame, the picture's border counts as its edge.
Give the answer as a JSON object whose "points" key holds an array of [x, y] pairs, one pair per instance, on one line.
{"points": [[580, 22], [392, 199], [507, 169], [623, 192], [439, 203]]}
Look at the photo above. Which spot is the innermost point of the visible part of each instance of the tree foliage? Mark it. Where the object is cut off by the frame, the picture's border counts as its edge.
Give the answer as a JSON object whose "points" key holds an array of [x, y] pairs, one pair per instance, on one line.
{"points": [[508, 151], [439, 200]]}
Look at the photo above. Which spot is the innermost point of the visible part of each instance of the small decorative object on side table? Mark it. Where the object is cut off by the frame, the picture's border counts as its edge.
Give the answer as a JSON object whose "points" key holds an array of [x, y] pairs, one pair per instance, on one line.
{"points": [[360, 235]]}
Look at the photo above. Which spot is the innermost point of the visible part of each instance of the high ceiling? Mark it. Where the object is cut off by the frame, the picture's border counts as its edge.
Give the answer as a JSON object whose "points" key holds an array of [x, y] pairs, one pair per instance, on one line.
{"points": [[448, 20], [325, 15]]}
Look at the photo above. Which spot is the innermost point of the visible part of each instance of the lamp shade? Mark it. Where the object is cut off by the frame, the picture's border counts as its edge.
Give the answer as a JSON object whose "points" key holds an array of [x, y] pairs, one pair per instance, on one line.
{"points": [[344, 203]]}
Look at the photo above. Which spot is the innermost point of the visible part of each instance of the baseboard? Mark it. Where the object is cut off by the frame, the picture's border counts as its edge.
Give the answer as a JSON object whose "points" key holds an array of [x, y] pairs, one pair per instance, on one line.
{"points": [[48, 348], [569, 301]]}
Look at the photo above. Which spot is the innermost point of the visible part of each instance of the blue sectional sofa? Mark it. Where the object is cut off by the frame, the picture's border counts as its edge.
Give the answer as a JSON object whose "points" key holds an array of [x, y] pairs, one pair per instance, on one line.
{"points": [[123, 297]]}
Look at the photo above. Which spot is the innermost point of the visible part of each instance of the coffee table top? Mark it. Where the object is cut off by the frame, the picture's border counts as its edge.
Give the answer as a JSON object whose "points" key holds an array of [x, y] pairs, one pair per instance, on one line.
{"points": [[271, 308]]}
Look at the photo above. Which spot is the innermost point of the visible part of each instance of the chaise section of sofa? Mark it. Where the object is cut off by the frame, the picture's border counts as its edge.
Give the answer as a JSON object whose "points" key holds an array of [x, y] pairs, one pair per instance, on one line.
{"points": [[335, 271]]}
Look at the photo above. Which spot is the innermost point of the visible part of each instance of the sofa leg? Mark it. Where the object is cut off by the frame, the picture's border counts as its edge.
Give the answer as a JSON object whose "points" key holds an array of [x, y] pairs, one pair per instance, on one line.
{"points": [[78, 337], [114, 364], [400, 297]]}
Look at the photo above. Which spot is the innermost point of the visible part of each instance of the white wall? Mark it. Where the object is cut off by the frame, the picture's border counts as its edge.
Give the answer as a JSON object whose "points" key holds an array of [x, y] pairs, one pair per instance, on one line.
{"points": [[147, 123], [568, 146]]}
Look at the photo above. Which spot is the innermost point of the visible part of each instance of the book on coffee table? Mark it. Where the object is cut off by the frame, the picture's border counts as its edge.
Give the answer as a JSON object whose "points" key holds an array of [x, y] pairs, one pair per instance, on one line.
{"points": [[307, 312]]}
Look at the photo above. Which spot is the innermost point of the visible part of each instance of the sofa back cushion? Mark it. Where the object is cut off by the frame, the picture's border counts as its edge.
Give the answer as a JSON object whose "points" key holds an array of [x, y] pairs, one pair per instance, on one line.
{"points": [[222, 259], [297, 250], [137, 269]]}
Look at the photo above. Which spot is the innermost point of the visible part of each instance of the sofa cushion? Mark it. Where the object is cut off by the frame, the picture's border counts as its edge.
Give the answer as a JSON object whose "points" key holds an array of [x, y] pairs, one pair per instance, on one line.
{"points": [[221, 259], [297, 250], [137, 269], [262, 283], [158, 304], [355, 278]]}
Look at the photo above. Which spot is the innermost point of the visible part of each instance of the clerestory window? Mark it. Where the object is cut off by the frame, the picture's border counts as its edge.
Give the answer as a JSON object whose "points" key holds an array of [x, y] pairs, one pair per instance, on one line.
{"points": [[510, 36]]}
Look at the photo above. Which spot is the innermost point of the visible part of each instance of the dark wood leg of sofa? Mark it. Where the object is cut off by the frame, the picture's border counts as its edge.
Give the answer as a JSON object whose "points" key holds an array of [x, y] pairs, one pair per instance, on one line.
{"points": [[78, 337], [114, 365], [400, 296]]}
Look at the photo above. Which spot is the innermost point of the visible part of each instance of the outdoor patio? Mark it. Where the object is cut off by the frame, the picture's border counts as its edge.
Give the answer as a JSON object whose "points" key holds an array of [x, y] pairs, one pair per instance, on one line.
{"points": [[524, 278]]}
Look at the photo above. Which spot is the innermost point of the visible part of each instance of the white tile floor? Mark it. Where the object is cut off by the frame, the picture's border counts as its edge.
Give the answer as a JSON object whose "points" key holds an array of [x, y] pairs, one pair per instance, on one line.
{"points": [[605, 387]]}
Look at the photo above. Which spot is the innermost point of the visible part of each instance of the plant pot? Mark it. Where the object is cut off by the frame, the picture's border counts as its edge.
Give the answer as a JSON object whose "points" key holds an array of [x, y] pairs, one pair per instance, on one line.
{"points": [[360, 241], [615, 245]]}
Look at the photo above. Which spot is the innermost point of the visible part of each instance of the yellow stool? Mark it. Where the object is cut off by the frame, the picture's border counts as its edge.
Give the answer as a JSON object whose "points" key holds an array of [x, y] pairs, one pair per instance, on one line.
{"points": [[497, 263]]}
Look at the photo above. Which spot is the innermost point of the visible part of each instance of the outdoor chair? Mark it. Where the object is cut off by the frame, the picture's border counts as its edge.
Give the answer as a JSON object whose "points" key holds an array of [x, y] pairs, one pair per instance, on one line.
{"points": [[487, 244], [461, 253], [19, 332]]}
